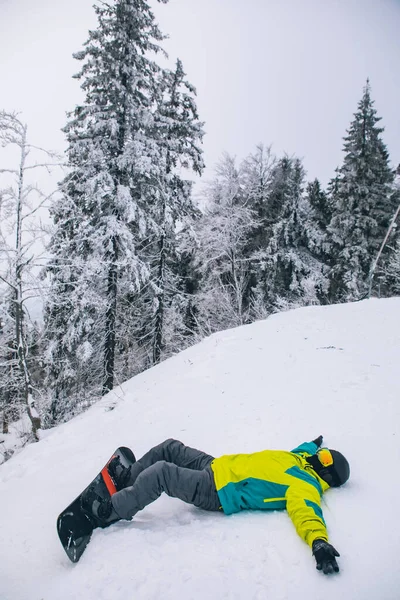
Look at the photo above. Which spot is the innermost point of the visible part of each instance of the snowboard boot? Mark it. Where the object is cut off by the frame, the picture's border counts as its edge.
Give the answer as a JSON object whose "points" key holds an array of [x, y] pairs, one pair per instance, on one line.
{"points": [[119, 473], [98, 509]]}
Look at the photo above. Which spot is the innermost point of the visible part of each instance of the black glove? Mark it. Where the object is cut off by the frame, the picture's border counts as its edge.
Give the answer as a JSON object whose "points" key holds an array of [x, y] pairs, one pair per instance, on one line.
{"points": [[318, 441], [325, 556]]}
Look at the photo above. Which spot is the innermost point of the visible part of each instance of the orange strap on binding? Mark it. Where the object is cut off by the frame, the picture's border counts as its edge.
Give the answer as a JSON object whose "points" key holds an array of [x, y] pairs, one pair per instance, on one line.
{"points": [[108, 481]]}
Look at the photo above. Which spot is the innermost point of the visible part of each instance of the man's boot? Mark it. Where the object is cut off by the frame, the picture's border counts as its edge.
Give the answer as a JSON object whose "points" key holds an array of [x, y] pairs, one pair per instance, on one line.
{"points": [[98, 509], [119, 473]]}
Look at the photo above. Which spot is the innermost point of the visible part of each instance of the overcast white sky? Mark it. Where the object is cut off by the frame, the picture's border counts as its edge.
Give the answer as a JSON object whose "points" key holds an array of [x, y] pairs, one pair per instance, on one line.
{"points": [[282, 72]]}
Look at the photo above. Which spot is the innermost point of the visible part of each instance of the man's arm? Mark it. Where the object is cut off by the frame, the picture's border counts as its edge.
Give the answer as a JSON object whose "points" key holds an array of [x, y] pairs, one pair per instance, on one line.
{"points": [[304, 508], [303, 504], [309, 447]]}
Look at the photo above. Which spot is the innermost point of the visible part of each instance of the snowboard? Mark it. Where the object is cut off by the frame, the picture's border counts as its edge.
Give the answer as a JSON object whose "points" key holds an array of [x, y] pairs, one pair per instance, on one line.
{"points": [[74, 525]]}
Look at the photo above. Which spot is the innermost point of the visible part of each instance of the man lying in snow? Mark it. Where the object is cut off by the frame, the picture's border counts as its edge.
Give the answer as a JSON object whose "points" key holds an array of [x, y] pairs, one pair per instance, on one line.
{"points": [[267, 480]]}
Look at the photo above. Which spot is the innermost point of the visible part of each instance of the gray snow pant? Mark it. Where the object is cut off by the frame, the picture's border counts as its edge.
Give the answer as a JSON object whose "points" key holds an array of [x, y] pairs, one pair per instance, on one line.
{"points": [[173, 468]]}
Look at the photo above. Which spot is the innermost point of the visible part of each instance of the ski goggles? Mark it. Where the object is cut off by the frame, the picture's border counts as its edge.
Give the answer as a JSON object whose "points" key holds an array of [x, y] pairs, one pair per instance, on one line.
{"points": [[325, 457]]}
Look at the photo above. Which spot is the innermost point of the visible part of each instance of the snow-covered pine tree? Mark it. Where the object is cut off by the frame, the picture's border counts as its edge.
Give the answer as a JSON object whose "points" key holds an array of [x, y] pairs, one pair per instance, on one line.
{"points": [[293, 275], [178, 133], [112, 156], [74, 309], [321, 217], [259, 176], [392, 274], [389, 276], [190, 275], [277, 198], [316, 235], [362, 204]]}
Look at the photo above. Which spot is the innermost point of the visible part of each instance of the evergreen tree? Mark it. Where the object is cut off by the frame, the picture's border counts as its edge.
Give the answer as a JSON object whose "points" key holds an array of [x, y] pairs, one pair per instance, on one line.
{"points": [[259, 173], [389, 276], [178, 133], [74, 301], [190, 275], [293, 274], [321, 216], [268, 211], [362, 204], [392, 274], [111, 293], [112, 153], [317, 239]]}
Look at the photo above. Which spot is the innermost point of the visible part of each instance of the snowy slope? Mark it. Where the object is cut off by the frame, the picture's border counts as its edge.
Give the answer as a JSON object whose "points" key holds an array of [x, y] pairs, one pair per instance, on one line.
{"points": [[273, 384]]}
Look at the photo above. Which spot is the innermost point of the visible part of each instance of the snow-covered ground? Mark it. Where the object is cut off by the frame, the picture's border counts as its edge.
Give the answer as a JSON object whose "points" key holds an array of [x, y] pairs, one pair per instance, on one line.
{"points": [[273, 384]]}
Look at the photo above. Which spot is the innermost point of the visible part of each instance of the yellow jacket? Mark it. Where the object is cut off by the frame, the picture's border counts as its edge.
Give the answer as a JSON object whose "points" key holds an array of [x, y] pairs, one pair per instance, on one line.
{"points": [[274, 480]]}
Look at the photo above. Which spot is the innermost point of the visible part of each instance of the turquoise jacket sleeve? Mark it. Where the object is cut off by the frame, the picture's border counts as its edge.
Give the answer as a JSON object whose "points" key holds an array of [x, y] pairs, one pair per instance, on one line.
{"points": [[308, 447]]}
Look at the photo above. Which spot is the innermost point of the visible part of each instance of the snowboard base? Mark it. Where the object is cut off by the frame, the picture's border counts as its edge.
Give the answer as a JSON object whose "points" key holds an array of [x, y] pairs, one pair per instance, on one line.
{"points": [[75, 526]]}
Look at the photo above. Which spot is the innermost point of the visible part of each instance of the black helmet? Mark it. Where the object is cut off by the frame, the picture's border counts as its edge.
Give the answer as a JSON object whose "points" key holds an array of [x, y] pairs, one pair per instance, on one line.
{"points": [[335, 474]]}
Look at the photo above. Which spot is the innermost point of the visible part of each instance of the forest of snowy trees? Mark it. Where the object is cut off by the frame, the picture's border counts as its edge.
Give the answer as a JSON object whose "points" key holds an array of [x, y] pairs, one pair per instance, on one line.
{"points": [[135, 270]]}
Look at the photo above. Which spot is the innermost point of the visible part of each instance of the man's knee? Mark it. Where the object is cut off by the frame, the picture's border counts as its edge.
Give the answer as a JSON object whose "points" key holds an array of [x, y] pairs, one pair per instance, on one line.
{"points": [[158, 476], [170, 442], [169, 449], [159, 468]]}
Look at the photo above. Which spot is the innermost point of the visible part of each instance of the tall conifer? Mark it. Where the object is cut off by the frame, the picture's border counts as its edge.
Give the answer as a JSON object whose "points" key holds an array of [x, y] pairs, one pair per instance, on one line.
{"points": [[122, 199], [362, 204], [112, 152], [178, 132], [292, 271]]}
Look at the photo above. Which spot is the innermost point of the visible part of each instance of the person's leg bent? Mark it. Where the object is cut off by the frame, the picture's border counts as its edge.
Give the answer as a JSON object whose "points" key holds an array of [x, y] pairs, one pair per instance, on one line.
{"points": [[171, 451], [191, 486]]}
